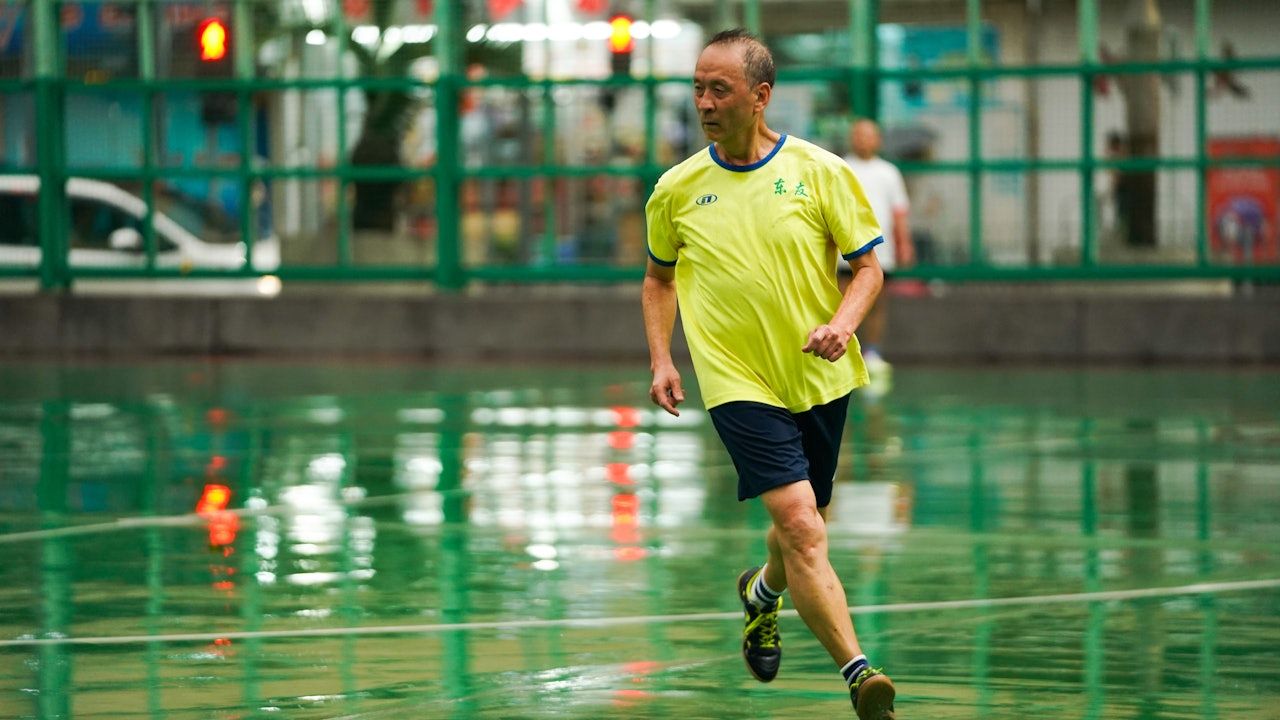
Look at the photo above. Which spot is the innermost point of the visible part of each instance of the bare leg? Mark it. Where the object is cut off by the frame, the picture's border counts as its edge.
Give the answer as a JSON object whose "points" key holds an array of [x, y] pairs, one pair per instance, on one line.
{"points": [[798, 560], [775, 572]]}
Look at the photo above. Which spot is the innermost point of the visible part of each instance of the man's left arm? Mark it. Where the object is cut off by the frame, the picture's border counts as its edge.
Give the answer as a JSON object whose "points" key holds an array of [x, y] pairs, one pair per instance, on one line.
{"points": [[903, 248], [831, 341]]}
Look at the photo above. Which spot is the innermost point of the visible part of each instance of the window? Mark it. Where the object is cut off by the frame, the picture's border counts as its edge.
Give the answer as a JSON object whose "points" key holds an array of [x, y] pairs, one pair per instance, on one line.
{"points": [[93, 221], [19, 226]]}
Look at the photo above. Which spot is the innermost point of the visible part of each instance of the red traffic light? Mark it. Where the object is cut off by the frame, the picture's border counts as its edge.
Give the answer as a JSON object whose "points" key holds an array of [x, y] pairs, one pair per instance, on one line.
{"points": [[214, 499], [620, 39], [212, 36]]}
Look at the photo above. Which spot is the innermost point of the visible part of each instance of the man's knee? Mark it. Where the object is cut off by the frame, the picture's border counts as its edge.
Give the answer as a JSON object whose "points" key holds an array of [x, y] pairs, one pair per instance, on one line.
{"points": [[800, 528]]}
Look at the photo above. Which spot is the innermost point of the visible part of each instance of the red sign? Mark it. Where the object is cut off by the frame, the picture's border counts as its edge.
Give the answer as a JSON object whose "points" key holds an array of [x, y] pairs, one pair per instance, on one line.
{"points": [[1242, 212], [355, 10], [499, 9]]}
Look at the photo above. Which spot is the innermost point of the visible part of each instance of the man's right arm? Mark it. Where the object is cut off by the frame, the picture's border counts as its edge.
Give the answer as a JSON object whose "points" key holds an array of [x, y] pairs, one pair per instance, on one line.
{"points": [[658, 300]]}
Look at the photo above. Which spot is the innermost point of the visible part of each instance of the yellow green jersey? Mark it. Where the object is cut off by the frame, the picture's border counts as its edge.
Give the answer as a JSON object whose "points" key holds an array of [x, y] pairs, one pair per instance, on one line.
{"points": [[755, 249]]}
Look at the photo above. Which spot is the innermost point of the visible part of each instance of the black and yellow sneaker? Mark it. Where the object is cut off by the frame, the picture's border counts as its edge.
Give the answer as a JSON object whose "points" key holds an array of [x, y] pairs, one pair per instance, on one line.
{"points": [[761, 644], [872, 693]]}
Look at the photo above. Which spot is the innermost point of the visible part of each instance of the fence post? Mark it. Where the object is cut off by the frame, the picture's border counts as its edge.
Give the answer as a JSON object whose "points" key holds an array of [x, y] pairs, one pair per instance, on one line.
{"points": [[750, 13], [243, 49], [974, 28], [1203, 24], [864, 85], [449, 271], [55, 272], [343, 165], [1088, 22], [147, 11]]}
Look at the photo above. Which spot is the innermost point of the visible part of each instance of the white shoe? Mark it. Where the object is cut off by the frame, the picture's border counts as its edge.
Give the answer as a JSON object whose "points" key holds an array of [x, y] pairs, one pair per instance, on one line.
{"points": [[880, 373]]}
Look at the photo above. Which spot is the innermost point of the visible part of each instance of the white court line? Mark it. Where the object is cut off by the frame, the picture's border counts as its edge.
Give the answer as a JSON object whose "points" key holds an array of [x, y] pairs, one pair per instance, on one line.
{"points": [[606, 622], [128, 523], [146, 521], [139, 522]]}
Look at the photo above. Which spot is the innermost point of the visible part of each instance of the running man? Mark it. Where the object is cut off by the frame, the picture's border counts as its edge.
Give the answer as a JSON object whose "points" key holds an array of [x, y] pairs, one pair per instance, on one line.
{"points": [[745, 233]]}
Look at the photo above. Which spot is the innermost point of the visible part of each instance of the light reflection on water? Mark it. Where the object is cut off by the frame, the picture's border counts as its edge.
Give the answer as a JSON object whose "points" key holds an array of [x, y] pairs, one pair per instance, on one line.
{"points": [[408, 495]]}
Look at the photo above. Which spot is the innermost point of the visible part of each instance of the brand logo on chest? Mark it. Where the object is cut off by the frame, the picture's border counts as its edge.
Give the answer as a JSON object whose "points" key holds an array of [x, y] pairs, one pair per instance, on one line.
{"points": [[706, 199]]}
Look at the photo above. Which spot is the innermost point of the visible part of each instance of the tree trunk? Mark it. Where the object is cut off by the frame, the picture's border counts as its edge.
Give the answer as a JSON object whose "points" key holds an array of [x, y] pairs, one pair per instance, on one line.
{"points": [[379, 146], [1142, 113], [375, 200]]}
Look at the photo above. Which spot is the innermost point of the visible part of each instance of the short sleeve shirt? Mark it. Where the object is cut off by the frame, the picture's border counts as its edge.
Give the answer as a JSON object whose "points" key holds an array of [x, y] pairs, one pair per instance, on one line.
{"points": [[754, 249], [887, 193]]}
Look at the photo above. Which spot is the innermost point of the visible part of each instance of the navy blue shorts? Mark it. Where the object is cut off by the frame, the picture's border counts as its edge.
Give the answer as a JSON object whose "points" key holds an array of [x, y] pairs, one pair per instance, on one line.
{"points": [[772, 446]]}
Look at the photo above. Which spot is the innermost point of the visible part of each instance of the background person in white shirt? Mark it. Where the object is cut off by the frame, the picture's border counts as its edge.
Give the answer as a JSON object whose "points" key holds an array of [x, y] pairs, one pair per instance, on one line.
{"points": [[887, 194]]}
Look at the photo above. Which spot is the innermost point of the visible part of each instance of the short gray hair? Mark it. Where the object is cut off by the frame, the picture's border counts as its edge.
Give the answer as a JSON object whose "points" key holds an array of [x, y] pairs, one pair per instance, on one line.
{"points": [[757, 59]]}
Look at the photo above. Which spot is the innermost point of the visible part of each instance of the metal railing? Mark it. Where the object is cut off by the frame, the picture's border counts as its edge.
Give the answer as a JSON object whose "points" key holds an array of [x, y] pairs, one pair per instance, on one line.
{"points": [[450, 173]]}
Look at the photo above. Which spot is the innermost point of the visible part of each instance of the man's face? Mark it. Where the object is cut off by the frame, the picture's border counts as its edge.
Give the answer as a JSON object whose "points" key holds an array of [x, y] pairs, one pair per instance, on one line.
{"points": [[726, 103], [865, 139]]}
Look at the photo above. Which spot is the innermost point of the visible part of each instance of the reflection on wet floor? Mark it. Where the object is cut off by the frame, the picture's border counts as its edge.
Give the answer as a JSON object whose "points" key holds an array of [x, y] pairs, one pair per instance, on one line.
{"points": [[245, 539]]}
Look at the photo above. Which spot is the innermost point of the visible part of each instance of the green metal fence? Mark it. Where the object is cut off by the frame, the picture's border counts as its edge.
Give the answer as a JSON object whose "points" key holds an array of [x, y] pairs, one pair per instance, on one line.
{"points": [[540, 201]]}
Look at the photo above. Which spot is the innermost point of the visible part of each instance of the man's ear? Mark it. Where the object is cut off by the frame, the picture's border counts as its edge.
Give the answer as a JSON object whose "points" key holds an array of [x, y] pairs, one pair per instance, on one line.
{"points": [[764, 91]]}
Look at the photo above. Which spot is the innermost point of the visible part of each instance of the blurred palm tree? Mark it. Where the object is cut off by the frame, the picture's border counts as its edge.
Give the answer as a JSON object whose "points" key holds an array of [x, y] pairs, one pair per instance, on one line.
{"points": [[388, 114], [1143, 30]]}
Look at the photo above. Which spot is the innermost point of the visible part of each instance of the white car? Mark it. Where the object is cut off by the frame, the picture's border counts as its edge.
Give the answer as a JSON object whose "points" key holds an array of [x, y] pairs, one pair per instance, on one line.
{"points": [[105, 231]]}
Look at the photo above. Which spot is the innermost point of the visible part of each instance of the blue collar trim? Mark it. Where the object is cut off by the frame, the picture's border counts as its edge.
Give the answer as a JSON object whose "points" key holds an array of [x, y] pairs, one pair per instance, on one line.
{"points": [[746, 168]]}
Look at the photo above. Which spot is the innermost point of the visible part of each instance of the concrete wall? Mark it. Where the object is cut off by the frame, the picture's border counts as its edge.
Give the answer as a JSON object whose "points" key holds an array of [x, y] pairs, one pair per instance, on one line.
{"points": [[966, 326], [502, 326], [1039, 326]]}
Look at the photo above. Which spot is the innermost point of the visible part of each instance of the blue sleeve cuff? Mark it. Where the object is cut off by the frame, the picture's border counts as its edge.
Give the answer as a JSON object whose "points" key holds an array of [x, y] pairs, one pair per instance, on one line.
{"points": [[860, 251], [660, 261]]}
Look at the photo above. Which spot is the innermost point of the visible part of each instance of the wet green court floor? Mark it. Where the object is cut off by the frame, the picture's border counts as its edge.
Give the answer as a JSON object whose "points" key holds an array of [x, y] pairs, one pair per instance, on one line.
{"points": [[257, 539]]}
